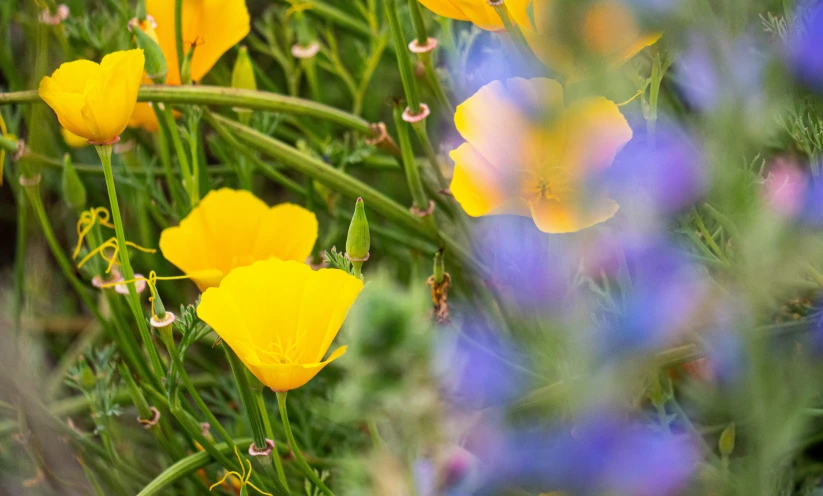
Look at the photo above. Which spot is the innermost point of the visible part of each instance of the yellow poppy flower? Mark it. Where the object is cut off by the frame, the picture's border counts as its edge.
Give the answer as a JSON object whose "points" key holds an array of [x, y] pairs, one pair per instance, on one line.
{"points": [[143, 115], [213, 26], [230, 229], [95, 101], [478, 12], [604, 34], [280, 317], [514, 162], [72, 139]]}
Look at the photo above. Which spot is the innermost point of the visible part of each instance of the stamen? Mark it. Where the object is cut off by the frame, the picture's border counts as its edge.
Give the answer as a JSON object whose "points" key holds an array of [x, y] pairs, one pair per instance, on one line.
{"points": [[88, 219]]}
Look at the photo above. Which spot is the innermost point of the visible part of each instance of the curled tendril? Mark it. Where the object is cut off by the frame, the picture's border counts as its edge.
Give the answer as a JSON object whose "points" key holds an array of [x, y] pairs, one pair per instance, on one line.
{"points": [[244, 477], [111, 243], [92, 216]]}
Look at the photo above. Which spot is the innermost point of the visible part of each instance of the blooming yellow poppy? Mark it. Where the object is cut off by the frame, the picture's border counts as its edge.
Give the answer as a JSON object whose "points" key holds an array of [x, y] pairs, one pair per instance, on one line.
{"points": [[95, 101], [72, 139], [213, 26], [478, 12], [516, 162], [604, 33], [230, 229], [280, 317]]}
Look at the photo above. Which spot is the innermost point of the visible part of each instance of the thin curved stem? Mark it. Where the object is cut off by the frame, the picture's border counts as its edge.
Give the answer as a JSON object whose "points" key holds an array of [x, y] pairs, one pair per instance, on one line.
{"points": [[284, 416]]}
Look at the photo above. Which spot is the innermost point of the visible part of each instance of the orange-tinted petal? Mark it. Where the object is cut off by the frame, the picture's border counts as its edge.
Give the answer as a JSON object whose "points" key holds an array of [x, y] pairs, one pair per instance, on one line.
{"points": [[557, 217], [479, 188], [596, 131]]}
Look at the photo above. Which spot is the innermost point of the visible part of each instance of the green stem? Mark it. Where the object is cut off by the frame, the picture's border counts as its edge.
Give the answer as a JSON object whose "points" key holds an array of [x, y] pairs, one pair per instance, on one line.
{"points": [[230, 97], [275, 456], [181, 155], [178, 34], [104, 151], [514, 32], [132, 355], [253, 414], [417, 22], [403, 59], [421, 201], [284, 416]]}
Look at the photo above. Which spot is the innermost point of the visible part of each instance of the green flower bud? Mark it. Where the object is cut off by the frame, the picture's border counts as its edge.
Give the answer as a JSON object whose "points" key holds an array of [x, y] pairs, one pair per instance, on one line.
{"points": [[155, 66], [439, 267], [159, 308], [726, 442], [242, 76], [358, 240], [73, 190], [185, 70], [87, 379]]}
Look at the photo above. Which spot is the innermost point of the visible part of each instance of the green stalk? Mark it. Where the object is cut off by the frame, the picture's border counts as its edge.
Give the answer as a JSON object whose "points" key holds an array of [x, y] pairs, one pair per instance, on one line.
{"points": [[426, 57], [403, 59], [181, 155], [254, 415], [33, 193], [421, 201], [514, 32], [230, 97], [275, 456], [301, 462], [186, 466], [198, 400], [178, 34], [104, 151], [165, 156]]}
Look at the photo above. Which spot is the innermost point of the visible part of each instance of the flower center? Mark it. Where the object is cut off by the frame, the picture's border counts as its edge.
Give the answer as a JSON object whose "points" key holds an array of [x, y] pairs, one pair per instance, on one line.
{"points": [[552, 183]]}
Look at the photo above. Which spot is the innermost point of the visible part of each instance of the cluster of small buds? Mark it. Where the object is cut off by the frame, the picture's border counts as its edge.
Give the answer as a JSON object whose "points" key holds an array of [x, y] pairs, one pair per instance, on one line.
{"points": [[61, 15]]}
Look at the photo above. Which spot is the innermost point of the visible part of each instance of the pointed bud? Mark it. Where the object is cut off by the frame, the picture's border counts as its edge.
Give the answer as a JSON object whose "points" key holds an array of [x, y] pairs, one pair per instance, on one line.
{"points": [[159, 308], [73, 190], [726, 442], [185, 70], [358, 241], [155, 66], [439, 267], [242, 76]]}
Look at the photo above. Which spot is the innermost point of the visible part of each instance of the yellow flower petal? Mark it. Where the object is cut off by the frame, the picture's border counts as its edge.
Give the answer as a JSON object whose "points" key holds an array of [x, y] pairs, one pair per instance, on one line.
{"points": [[479, 12], [280, 317], [478, 187], [494, 120], [596, 131], [72, 139], [95, 101], [213, 25], [230, 229], [557, 217]]}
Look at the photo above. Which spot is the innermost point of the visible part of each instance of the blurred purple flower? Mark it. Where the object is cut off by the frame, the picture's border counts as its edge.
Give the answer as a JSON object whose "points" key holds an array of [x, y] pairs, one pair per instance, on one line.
{"points": [[811, 207], [529, 263], [600, 453], [663, 295], [805, 55], [659, 174], [714, 71], [479, 368]]}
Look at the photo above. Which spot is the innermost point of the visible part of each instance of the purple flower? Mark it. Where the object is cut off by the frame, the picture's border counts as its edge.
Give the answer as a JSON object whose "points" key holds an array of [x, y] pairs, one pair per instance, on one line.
{"points": [[661, 292], [811, 209], [478, 368], [804, 48], [714, 71], [602, 452], [526, 262], [659, 174]]}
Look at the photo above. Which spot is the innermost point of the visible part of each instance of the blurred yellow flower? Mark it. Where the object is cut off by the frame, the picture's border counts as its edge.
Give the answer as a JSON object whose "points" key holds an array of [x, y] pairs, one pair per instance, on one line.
{"points": [[72, 139], [599, 33], [517, 162], [213, 26], [479, 12], [230, 229], [95, 101], [143, 115], [280, 317]]}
